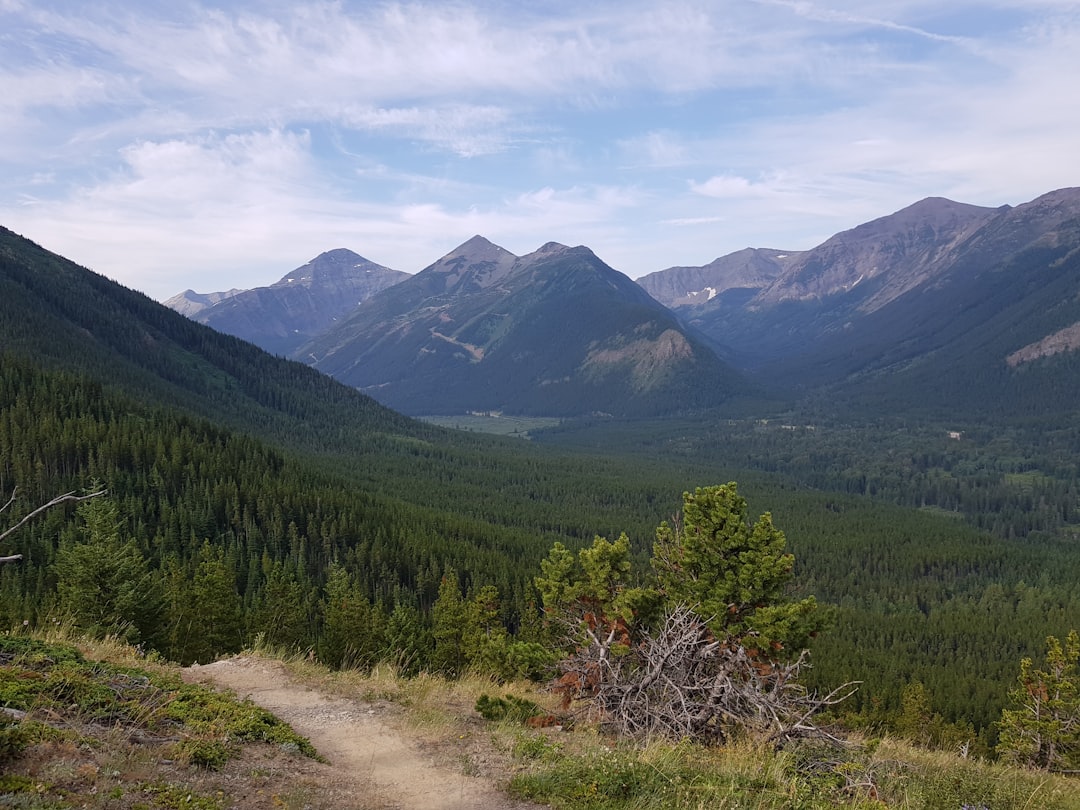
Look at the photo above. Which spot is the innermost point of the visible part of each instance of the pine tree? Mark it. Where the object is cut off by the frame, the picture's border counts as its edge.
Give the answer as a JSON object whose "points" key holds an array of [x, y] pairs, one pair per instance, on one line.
{"points": [[1042, 729], [733, 574], [706, 651]]}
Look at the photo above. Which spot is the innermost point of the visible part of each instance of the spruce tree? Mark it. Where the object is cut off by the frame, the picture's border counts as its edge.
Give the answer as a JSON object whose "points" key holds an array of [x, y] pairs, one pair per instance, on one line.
{"points": [[449, 620], [206, 618], [104, 583], [353, 630]]}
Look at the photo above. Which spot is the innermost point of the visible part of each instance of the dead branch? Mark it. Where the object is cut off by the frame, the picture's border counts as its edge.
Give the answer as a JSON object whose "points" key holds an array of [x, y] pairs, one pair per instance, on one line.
{"points": [[59, 499], [681, 682]]}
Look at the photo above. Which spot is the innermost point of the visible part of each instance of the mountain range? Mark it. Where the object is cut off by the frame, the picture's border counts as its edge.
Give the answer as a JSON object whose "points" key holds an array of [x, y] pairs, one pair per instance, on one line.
{"points": [[225, 458], [940, 305], [555, 332], [936, 305]]}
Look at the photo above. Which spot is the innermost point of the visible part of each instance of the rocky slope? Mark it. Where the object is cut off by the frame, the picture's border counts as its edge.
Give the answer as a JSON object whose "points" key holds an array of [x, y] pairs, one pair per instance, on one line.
{"points": [[742, 274]]}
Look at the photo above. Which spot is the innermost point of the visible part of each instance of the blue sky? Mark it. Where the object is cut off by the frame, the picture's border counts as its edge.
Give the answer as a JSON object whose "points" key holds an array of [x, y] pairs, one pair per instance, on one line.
{"points": [[174, 145]]}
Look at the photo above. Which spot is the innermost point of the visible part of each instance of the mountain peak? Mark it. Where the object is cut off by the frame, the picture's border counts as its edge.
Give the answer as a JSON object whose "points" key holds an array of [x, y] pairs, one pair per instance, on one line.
{"points": [[554, 332], [331, 265], [900, 250], [303, 302], [552, 247], [478, 249], [476, 263]]}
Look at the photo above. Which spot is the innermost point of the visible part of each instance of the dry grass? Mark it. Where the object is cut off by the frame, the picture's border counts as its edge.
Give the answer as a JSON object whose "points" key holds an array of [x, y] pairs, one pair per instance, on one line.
{"points": [[576, 769], [111, 729]]}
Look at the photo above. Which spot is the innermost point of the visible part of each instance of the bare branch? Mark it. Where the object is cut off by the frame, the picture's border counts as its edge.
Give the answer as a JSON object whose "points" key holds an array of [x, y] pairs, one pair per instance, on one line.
{"points": [[681, 682], [59, 499], [11, 500]]}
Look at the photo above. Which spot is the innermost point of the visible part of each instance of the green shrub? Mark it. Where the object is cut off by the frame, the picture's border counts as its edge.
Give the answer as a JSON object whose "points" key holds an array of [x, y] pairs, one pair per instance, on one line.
{"points": [[210, 754], [13, 740], [508, 708], [536, 746]]}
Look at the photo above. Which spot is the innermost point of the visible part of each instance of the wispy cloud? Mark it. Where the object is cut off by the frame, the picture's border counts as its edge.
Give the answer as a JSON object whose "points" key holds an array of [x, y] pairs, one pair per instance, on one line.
{"points": [[167, 143]]}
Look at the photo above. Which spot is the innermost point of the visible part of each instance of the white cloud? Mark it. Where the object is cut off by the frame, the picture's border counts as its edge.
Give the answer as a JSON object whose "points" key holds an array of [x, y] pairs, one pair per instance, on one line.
{"points": [[466, 130], [158, 141], [685, 221]]}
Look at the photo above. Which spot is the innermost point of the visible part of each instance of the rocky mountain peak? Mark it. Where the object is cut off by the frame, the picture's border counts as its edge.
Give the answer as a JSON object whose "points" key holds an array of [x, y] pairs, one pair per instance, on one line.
{"points": [[475, 250], [331, 266], [476, 263], [550, 247]]}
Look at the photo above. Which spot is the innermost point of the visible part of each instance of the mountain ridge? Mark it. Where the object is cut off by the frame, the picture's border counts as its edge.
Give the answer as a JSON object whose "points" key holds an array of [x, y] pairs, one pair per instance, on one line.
{"points": [[556, 331], [746, 271], [933, 298]]}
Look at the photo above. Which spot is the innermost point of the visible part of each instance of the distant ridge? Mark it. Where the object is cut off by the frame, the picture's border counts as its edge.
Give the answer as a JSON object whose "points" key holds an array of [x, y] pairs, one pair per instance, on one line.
{"points": [[304, 303], [939, 305], [190, 302], [743, 273]]}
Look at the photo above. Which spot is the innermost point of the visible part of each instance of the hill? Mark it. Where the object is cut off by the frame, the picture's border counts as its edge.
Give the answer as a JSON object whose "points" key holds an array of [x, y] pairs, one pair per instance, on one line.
{"points": [[407, 743], [556, 332]]}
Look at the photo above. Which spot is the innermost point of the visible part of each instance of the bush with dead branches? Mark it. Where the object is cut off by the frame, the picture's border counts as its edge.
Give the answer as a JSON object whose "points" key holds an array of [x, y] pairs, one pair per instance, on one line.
{"points": [[647, 661]]}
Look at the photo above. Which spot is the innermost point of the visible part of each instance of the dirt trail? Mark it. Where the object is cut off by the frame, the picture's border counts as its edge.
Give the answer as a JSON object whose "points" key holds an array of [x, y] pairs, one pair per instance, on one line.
{"points": [[368, 752]]}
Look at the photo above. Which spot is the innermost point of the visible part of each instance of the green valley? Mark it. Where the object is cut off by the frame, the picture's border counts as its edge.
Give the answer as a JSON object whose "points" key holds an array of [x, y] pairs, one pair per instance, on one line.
{"points": [[262, 500]]}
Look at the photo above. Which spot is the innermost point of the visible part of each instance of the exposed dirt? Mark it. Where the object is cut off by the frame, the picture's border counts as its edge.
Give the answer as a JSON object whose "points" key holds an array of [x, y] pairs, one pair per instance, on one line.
{"points": [[373, 761]]}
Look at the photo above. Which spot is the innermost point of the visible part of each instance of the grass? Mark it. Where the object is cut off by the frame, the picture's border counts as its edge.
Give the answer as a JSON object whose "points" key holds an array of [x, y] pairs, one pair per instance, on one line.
{"points": [[498, 425], [214, 749], [583, 769], [94, 724], [597, 776]]}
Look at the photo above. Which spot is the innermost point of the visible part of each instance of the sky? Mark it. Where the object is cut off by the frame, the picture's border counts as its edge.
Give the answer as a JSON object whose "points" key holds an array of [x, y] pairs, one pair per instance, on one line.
{"points": [[212, 145]]}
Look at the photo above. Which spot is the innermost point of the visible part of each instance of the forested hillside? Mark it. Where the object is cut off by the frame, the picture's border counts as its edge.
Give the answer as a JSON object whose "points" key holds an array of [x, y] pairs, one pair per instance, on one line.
{"points": [[250, 497]]}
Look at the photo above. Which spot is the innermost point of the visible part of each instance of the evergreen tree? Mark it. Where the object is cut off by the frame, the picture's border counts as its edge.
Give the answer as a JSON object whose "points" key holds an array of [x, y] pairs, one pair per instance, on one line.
{"points": [[205, 609], [408, 638], [1042, 727], [484, 638], [353, 630], [281, 615], [449, 619], [733, 574], [104, 583], [702, 654]]}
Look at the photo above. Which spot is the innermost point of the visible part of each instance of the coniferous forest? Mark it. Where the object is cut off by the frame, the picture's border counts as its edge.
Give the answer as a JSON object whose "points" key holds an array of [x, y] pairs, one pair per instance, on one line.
{"points": [[249, 497]]}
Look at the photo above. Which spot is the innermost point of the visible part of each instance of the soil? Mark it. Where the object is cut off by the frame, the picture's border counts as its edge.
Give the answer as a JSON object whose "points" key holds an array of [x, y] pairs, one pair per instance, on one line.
{"points": [[375, 763]]}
